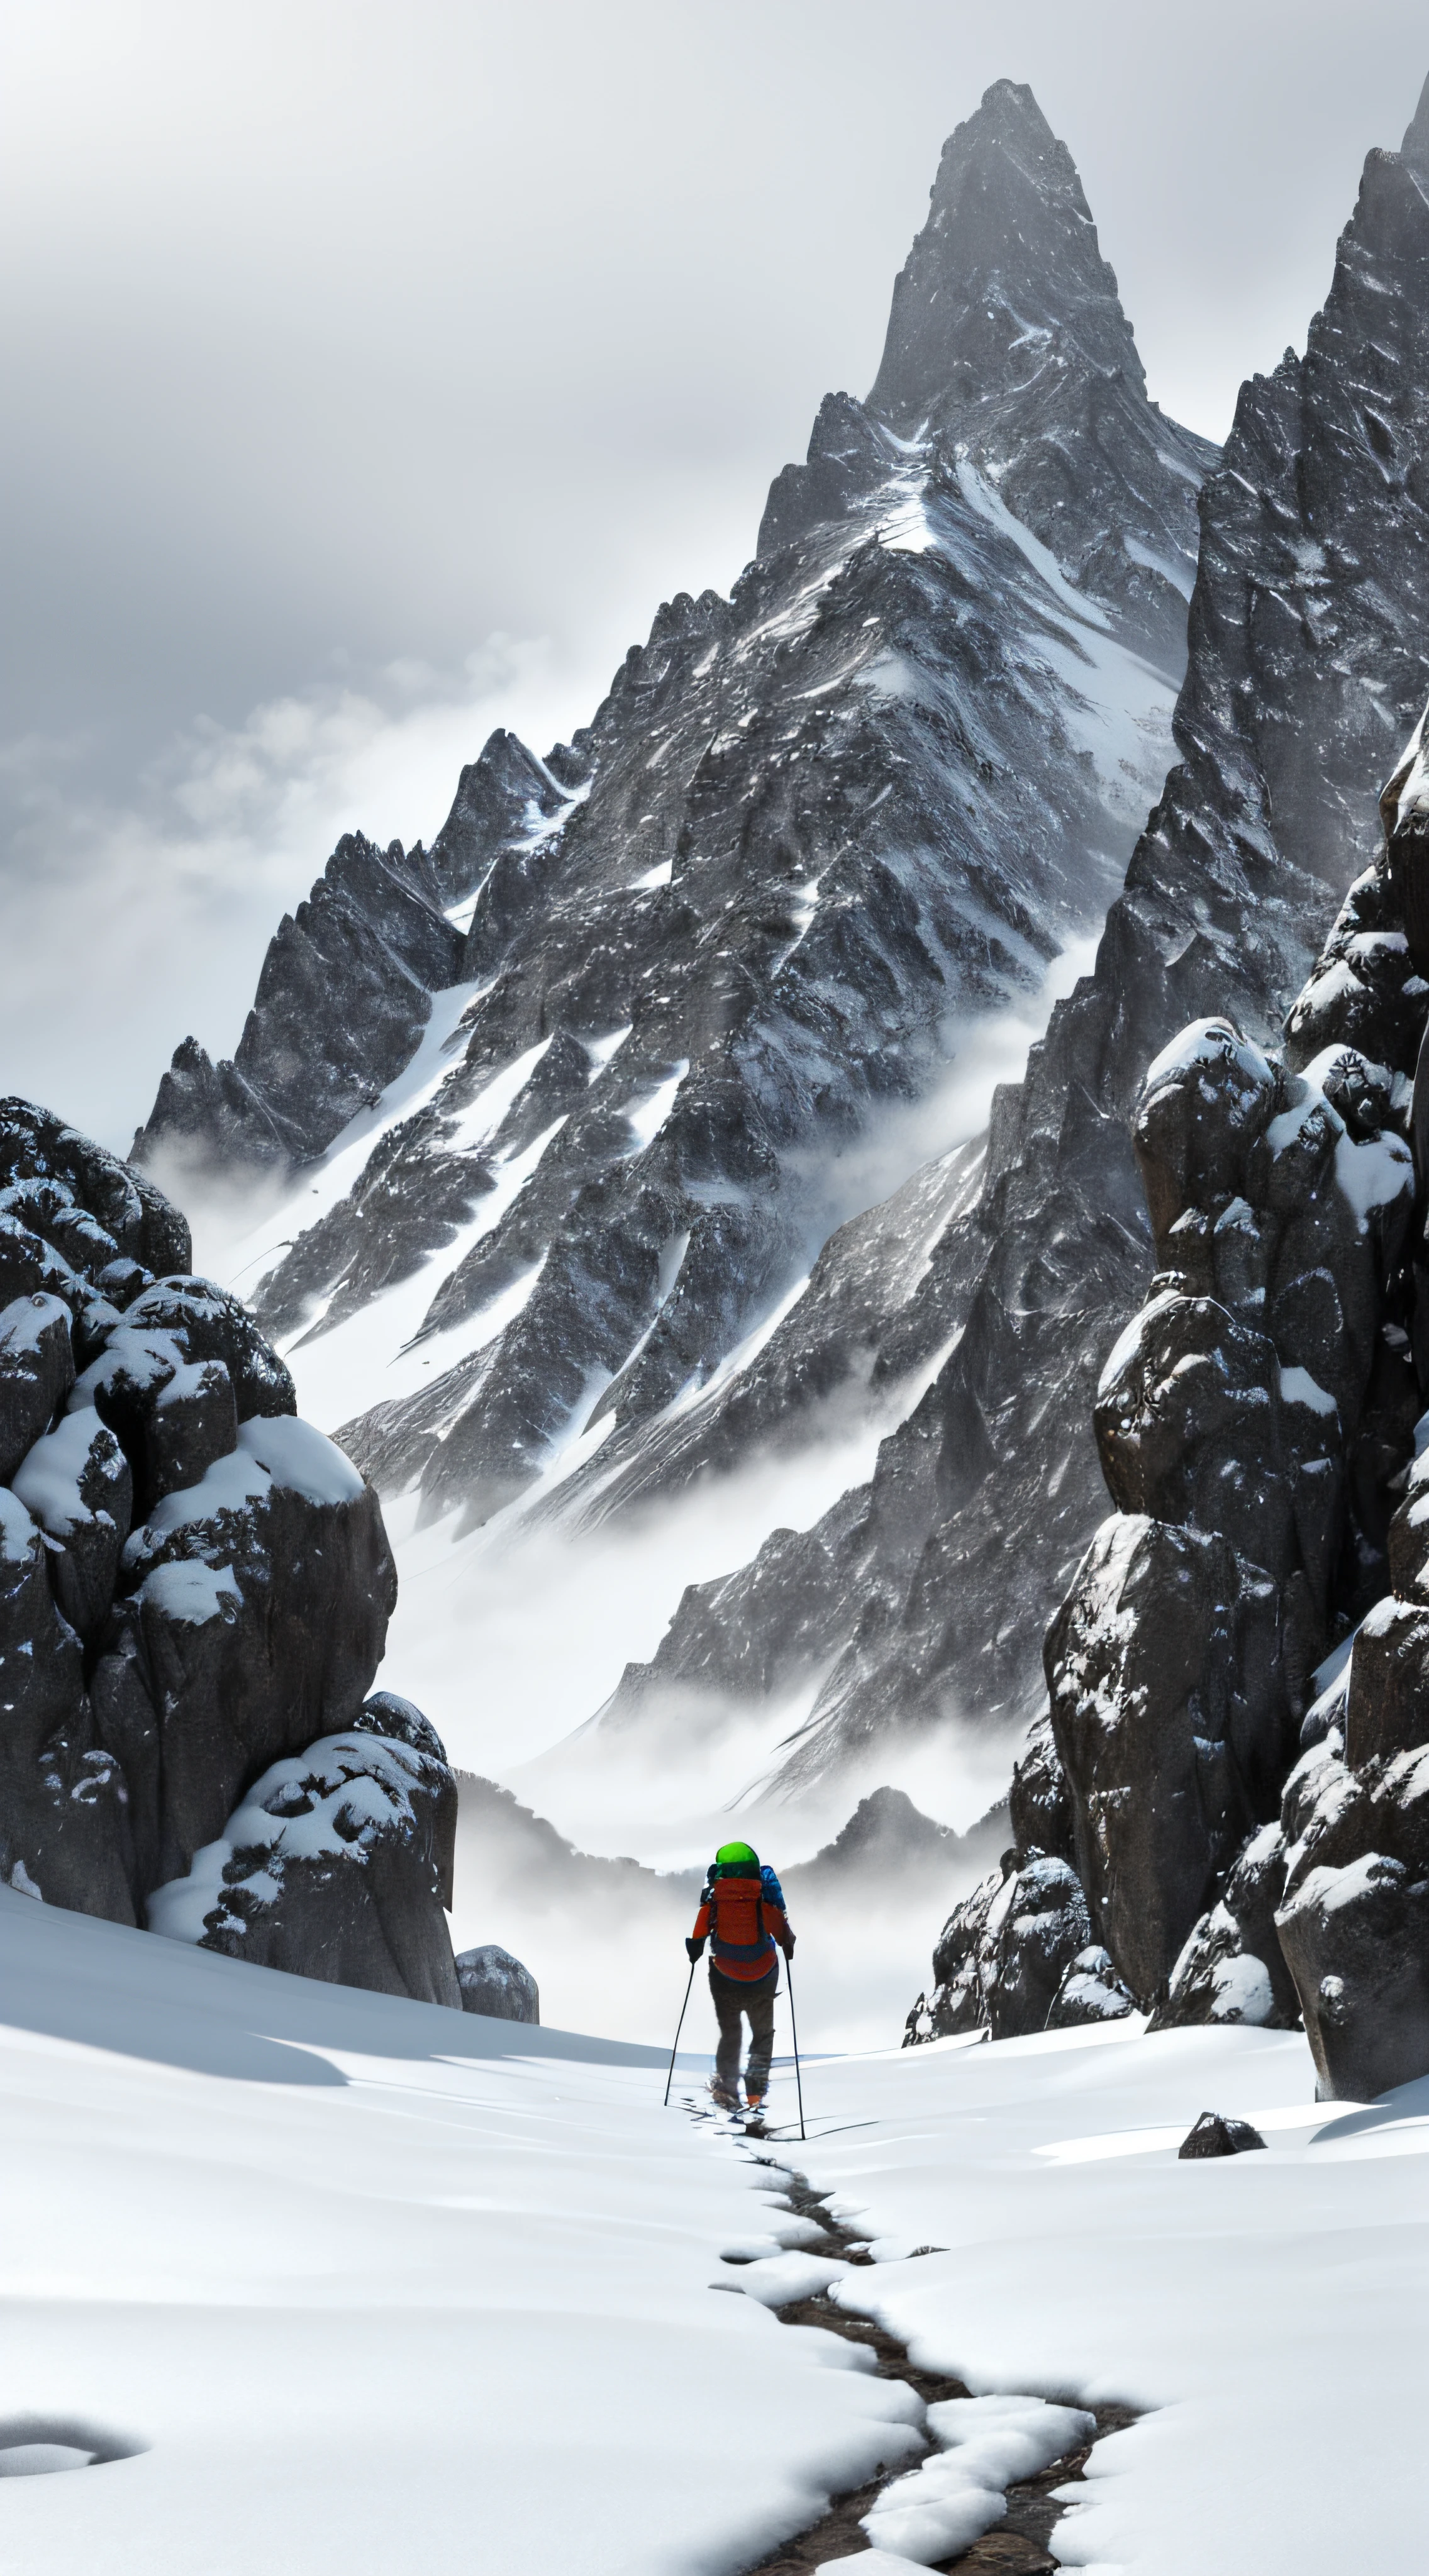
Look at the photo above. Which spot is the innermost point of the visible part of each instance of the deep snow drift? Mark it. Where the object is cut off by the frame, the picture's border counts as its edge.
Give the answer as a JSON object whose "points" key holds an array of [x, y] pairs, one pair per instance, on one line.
{"points": [[343, 2283]]}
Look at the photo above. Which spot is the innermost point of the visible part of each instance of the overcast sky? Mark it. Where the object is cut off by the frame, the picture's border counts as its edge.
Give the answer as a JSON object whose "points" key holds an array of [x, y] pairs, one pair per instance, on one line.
{"points": [[373, 371]]}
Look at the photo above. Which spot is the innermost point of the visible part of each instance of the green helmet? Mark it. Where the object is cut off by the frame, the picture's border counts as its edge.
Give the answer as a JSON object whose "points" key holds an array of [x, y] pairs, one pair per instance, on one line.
{"points": [[736, 1856]]}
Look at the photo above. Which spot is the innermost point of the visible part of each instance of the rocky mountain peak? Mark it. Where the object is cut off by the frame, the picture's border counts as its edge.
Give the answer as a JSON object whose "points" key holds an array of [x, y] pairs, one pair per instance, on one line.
{"points": [[1005, 277]]}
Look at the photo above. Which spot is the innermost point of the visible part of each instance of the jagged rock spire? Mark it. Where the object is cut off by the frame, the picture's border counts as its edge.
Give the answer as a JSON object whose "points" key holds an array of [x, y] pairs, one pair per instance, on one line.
{"points": [[1008, 259]]}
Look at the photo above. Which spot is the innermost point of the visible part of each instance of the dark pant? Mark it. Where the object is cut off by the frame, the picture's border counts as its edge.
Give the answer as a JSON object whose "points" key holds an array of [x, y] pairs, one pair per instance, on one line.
{"points": [[754, 2000]]}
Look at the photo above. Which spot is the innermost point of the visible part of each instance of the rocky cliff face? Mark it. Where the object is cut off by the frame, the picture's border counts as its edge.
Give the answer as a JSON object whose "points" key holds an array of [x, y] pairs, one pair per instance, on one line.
{"points": [[194, 1585], [1226, 1787], [816, 831], [930, 1589]]}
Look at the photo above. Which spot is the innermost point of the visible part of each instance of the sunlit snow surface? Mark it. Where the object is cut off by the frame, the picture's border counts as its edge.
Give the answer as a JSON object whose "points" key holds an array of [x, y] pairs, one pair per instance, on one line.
{"points": [[362, 2285]]}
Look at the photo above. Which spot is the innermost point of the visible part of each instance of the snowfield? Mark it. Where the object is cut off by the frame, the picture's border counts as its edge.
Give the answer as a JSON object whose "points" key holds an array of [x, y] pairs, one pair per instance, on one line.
{"points": [[363, 2285]]}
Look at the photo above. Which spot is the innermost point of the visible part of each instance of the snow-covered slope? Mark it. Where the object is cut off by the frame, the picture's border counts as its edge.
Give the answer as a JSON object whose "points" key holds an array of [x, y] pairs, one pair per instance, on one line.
{"points": [[353, 2286], [327, 2282]]}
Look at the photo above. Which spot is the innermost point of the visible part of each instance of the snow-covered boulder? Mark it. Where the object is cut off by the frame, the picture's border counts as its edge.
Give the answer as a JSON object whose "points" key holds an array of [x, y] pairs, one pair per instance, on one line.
{"points": [[493, 1982], [956, 2000], [1147, 1665], [1205, 1101], [1232, 1968], [1005, 1952], [335, 1865], [63, 1820], [1036, 1926], [1091, 1991], [1040, 1801], [36, 1372], [260, 1597], [75, 1482], [1354, 1918]]}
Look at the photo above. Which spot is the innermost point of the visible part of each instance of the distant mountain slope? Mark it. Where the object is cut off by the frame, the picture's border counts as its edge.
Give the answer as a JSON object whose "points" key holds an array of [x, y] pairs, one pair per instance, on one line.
{"points": [[1309, 661], [815, 833]]}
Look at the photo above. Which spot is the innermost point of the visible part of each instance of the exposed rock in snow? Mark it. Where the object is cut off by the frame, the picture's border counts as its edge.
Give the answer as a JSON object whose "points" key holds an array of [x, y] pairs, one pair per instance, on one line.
{"points": [[75, 1482], [280, 1650], [493, 1982], [1006, 1953], [150, 1674], [1036, 1926], [1215, 2135], [1091, 1991], [63, 1818], [1232, 1968], [337, 1864], [36, 1373], [1156, 1667]]}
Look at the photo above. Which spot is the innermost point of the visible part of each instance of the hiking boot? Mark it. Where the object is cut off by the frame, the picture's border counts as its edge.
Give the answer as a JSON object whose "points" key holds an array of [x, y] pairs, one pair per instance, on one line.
{"points": [[754, 2096], [721, 2094]]}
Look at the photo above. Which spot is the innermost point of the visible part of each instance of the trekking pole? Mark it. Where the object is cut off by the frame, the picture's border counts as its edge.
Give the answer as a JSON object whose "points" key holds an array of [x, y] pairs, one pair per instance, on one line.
{"points": [[679, 2026], [794, 2028]]}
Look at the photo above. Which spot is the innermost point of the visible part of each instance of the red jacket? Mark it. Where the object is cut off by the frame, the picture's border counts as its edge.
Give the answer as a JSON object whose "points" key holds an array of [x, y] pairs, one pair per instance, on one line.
{"points": [[743, 1918]]}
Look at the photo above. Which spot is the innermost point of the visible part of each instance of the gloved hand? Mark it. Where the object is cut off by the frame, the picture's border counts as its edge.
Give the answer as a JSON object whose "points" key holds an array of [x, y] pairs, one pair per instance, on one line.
{"points": [[788, 1945], [694, 1950]]}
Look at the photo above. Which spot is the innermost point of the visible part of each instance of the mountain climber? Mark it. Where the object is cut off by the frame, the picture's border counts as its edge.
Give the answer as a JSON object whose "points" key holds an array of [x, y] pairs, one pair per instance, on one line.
{"points": [[742, 1916]]}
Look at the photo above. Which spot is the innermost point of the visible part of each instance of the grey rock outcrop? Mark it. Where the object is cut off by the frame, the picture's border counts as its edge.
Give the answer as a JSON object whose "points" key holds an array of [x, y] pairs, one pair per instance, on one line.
{"points": [[1090, 1992], [337, 1865], [1353, 1919], [1147, 1665], [63, 1809], [1006, 1953], [493, 1982], [153, 1674], [1233, 1968], [36, 1373], [1215, 2134], [1036, 1926], [256, 1609]]}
